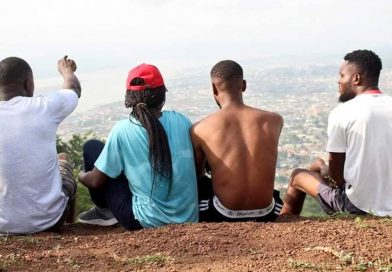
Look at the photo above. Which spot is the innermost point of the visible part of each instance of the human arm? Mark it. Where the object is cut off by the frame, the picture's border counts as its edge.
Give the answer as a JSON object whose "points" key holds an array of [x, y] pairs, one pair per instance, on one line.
{"points": [[200, 159], [92, 179], [337, 144], [336, 167], [332, 174], [67, 68]]}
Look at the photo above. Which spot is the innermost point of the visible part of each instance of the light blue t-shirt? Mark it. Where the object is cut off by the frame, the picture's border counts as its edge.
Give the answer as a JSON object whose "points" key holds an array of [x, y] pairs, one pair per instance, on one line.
{"points": [[126, 150]]}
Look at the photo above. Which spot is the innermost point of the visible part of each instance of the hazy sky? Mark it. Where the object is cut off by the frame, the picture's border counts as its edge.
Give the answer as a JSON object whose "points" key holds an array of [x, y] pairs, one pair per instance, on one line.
{"points": [[113, 33]]}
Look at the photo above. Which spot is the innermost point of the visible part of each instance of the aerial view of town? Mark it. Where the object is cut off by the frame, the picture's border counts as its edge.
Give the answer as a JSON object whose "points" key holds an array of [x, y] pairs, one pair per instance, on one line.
{"points": [[304, 96]]}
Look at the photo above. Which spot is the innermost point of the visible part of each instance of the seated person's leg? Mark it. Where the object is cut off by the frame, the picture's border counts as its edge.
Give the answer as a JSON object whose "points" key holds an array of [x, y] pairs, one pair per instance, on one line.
{"points": [[91, 151], [272, 216], [100, 214], [69, 188], [69, 184], [205, 193], [119, 199], [302, 182]]}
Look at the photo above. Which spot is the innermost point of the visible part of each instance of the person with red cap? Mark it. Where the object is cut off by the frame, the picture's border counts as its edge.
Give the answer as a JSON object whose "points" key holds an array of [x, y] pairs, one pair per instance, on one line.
{"points": [[144, 176]]}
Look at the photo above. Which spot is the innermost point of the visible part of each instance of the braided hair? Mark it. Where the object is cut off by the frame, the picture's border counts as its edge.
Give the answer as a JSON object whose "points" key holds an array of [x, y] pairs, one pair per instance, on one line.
{"points": [[141, 103]]}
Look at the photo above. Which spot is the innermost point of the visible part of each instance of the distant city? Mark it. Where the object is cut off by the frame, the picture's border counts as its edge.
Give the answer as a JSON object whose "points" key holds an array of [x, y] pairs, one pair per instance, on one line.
{"points": [[304, 96]]}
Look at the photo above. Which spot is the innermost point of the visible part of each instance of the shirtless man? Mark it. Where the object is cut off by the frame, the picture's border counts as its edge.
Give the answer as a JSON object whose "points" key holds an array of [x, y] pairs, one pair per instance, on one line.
{"points": [[240, 145]]}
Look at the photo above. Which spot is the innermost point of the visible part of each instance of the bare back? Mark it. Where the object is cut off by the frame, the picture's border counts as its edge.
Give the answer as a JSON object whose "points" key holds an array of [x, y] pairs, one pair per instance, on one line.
{"points": [[240, 144]]}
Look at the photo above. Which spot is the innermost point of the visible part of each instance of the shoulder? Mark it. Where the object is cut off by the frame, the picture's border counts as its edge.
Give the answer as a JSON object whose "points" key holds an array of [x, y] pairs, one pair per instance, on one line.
{"points": [[176, 117], [272, 118], [205, 123], [174, 114], [63, 93], [121, 125], [61, 98]]}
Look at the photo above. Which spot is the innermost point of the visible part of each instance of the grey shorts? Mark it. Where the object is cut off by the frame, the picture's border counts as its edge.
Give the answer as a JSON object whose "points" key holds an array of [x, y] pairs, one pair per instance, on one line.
{"points": [[333, 200], [69, 188]]}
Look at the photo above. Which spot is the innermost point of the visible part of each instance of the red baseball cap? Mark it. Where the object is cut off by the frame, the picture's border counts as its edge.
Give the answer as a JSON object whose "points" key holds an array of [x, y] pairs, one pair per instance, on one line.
{"points": [[149, 73]]}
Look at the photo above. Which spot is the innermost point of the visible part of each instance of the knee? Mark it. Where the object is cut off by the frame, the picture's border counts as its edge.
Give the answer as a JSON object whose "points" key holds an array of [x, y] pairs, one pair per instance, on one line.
{"points": [[295, 176], [92, 145], [64, 157]]}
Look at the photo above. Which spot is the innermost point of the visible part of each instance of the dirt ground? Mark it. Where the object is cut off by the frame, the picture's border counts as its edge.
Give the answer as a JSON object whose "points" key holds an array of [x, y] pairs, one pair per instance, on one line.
{"points": [[291, 244]]}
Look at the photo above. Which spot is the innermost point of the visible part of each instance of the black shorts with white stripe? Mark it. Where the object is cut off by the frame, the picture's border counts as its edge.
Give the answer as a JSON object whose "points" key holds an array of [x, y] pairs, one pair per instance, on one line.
{"points": [[208, 212]]}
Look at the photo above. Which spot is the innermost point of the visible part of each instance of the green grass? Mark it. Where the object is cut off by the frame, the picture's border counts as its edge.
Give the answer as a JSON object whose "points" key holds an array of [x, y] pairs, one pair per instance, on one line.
{"points": [[149, 259], [361, 223], [7, 261], [26, 239], [347, 260], [312, 208], [303, 265], [157, 259], [83, 200]]}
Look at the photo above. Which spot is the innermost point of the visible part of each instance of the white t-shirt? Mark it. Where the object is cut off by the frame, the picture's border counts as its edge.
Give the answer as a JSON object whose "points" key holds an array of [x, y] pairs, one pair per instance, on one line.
{"points": [[31, 199], [362, 128]]}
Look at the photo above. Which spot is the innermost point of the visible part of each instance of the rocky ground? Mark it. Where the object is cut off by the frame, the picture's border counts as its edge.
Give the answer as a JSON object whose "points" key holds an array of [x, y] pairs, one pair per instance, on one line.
{"points": [[292, 244]]}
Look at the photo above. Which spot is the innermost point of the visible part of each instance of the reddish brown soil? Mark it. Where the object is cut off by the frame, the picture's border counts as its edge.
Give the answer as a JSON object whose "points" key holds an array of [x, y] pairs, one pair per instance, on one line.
{"points": [[292, 244]]}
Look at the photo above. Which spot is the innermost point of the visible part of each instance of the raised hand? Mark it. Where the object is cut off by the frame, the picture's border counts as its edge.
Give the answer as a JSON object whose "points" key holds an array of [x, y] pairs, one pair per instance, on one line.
{"points": [[66, 66]]}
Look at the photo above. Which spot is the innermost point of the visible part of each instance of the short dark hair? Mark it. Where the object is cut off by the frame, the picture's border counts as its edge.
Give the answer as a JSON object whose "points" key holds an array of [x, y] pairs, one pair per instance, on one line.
{"points": [[227, 70], [368, 63], [13, 70]]}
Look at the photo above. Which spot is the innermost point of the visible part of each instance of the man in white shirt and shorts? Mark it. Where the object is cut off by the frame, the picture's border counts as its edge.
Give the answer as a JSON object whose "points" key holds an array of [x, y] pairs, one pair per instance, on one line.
{"points": [[37, 189], [358, 179]]}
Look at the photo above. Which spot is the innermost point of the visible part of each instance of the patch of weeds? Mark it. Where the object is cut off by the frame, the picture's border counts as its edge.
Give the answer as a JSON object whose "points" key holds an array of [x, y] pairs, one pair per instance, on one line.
{"points": [[150, 259], [28, 239], [385, 268], [360, 223], [356, 264], [372, 213], [57, 237], [4, 238], [387, 220], [384, 265], [72, 263], [362, 265], [304, 265], [344, 257], [252, 251], [7, 261], [341, 215]]}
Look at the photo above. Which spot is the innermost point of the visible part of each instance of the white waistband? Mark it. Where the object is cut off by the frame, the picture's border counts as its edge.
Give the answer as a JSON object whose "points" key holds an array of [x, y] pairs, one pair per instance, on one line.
{"points": [[242, 213]]}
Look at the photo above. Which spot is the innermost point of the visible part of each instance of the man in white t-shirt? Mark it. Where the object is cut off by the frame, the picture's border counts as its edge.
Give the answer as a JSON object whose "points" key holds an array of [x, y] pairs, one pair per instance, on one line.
{"points": [[37, 188], [358, 179]]}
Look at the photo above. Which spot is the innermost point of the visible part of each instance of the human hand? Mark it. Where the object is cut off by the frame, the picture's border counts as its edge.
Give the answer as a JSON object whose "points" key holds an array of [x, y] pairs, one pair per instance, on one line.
{"points": [[318, 165], [81, 176], [66, 66]]}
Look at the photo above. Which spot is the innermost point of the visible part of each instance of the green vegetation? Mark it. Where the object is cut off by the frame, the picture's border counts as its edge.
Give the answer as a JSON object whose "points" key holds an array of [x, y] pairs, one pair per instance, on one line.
{"points": [[157, 259], [295, 264], [8, 261], [150, 259], [74, 147], [347, 260], [312, 208], [360, 223]]}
